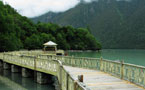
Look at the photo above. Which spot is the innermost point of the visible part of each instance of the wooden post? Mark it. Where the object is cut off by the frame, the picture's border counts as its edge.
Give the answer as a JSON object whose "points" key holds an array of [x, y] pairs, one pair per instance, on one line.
{"points": [[80, 78], [122, 69]]}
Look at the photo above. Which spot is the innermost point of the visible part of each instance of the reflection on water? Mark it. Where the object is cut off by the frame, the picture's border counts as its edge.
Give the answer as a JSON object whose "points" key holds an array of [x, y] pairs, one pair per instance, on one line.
{"points": [[129, 56], [14, 81]]}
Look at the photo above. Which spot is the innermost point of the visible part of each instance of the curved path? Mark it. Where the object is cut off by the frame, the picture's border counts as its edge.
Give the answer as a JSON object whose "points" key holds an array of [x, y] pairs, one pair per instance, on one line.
{"points": [[97, 80]]}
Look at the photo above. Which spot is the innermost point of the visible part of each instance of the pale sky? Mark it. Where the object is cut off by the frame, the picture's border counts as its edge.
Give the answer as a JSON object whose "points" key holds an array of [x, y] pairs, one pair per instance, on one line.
{"points": [[32, 8]]}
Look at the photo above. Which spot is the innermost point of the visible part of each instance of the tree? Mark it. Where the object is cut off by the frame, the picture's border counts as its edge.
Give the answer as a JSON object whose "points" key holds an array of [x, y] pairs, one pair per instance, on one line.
{"points": [[10, 42], [33, 42], [18, 32]]}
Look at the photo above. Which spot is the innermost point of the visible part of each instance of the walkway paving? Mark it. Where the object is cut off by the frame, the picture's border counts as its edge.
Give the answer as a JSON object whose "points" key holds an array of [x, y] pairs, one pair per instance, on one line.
{"points": [[97, 80]]}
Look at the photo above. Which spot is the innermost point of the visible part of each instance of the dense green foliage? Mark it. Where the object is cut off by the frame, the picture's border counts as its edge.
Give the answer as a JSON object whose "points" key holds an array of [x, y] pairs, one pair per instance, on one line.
{"points": [[115, 23], [18, 32]]}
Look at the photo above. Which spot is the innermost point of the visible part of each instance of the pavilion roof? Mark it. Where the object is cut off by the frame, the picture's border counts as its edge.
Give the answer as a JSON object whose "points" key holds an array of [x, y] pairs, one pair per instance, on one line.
{"points": [[50, 43]]}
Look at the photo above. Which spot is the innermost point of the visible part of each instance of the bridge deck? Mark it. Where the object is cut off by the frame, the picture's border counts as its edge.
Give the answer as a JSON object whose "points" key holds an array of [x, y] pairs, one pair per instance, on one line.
{"points": [[97, 80]]}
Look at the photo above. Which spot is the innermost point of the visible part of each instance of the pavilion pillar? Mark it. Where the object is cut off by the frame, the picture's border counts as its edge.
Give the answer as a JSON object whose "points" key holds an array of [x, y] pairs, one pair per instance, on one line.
{"points": [[43, 78], [55, 48]]}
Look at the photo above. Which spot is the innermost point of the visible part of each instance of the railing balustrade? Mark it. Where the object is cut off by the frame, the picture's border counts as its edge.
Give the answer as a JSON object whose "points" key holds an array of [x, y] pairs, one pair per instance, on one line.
{"points": [[50, 64], [129, 72]]}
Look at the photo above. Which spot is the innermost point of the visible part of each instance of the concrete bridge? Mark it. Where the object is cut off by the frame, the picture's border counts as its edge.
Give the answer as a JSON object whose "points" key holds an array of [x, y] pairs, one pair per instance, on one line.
{"points": [[75, 73]]}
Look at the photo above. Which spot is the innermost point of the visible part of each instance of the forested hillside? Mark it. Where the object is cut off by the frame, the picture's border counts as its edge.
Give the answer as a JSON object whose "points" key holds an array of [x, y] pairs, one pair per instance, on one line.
{"points": [[18, 32], [115, 23]]}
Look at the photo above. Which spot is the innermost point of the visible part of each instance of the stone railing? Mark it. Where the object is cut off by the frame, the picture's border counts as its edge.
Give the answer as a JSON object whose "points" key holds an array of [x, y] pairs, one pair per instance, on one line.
{"points": [[54, 67], [1, 56], [129, 72]]}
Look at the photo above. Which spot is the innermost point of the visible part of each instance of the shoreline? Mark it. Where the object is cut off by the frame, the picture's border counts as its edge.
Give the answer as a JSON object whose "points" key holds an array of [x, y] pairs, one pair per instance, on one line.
{"points": [[82, 50]]}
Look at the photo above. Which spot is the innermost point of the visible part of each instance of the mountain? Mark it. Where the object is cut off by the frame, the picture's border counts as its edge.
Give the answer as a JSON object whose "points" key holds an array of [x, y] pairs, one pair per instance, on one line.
{"points": [[18, 32], [115, 23]]}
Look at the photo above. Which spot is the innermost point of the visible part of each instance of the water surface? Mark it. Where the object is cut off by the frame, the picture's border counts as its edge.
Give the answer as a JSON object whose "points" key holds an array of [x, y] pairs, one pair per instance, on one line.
{"points": [[128, 55], [14, 81]]}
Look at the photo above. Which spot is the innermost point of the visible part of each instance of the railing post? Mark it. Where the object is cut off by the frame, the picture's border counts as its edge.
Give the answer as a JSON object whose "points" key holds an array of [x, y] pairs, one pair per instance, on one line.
{"points": [[144, 81], [101, 63], [3, 56], [67, 82], [75, 85], [11, 56], [122, 69], [60, 76], [35, 58]]}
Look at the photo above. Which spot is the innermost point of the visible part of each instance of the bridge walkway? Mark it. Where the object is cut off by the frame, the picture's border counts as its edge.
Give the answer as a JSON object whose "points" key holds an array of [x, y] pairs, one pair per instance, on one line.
{"points": [[97, 76], [97, 80]]}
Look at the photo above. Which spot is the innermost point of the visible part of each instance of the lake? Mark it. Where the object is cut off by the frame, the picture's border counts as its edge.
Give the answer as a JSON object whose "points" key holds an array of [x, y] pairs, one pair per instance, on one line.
{"points": [[14, 81], [132, 56]]}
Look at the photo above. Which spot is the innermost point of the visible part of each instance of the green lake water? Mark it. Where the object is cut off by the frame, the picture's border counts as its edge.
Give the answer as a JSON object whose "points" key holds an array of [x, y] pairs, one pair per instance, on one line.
{"points": [[14, 81], [128, 55]]}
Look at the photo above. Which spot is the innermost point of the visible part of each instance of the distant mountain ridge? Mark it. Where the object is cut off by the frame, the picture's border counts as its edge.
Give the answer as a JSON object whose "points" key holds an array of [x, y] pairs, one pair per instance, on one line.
{"points": [[115, 23]]}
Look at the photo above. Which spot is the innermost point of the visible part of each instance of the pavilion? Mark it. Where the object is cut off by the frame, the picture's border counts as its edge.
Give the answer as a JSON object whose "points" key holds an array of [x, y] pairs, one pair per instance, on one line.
{"points": [[50, 46]]}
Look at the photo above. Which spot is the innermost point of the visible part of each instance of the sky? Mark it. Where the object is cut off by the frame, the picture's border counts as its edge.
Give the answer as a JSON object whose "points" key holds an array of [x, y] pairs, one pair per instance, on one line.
{"points": [[33, 8]]}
